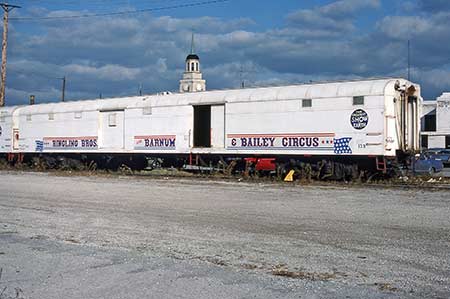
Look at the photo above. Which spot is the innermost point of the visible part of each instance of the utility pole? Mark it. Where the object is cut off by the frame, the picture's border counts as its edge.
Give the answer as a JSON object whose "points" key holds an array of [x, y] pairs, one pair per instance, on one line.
{"points": [[241, 76], [63, 96], [244, 75], [7, 8]]}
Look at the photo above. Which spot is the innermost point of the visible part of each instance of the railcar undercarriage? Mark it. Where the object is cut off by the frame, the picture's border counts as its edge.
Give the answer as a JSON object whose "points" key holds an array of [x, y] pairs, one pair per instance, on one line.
{"points": [[340, 168]]}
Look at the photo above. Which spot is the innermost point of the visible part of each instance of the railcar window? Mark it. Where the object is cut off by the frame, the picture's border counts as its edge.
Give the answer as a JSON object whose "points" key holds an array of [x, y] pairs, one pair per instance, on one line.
{"points": [[147, 110], [51, 116], [306, 103], [359, 100], [28, 117], [77, 115], [112, 120]]}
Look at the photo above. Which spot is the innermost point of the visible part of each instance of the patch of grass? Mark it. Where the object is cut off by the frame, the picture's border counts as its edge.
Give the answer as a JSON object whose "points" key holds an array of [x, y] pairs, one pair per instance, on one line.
{"points": [[216, 261], [249, 266], [72, 240], [385, 287], [314, 276]]}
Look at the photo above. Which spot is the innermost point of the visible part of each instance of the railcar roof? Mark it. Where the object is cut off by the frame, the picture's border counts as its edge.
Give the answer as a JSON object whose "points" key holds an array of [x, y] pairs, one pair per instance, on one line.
{"points": [[444, 96], [304, 91], [8, 109]]}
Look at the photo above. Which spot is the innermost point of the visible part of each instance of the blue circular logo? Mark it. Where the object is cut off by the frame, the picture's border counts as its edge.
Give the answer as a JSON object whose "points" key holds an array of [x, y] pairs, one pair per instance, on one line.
{"points": [[359, 119]]}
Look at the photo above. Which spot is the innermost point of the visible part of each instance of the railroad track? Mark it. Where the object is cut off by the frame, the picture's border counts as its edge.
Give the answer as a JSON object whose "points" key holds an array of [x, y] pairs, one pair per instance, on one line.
{"points": [[417, 182]]}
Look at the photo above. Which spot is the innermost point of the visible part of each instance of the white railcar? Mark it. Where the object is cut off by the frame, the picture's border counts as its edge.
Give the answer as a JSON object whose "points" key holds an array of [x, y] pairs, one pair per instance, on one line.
{"points": [[366, 118], [6, 129]]}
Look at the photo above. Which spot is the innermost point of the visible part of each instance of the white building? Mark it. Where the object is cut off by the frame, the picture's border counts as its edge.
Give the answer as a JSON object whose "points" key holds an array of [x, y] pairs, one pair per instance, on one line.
{"points": [[192, 77], [435, 124]]}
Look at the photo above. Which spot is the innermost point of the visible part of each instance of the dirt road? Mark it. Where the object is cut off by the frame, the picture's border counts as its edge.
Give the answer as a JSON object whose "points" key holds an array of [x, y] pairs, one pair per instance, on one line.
{"points": [[128, 237]]}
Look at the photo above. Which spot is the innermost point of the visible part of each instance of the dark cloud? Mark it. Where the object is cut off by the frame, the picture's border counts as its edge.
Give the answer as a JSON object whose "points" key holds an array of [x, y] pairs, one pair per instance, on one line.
{"points": [[435, 5], [336, 16], [426, 35]]}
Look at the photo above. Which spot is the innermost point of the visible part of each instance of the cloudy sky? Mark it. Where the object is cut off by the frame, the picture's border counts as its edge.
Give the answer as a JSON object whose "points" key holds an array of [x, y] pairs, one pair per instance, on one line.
{"points": [[261, 42]]}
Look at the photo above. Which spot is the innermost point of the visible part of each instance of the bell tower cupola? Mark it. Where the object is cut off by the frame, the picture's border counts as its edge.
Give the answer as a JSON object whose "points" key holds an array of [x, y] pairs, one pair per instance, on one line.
{"points": [[192, 77]]}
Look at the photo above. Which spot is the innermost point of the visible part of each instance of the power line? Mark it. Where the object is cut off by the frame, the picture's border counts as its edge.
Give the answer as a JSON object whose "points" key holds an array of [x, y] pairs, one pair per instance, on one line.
{"points": [[202, 3], [97, 3]]}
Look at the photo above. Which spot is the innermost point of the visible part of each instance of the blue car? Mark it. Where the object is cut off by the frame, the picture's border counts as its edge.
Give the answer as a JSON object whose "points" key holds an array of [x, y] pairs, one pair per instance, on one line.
{"points": [[439, 154], [423, 163]]}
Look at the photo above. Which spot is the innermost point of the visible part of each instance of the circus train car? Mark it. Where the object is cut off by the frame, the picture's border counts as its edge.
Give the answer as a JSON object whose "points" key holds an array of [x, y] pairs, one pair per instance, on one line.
{"points": [[365, 124]]}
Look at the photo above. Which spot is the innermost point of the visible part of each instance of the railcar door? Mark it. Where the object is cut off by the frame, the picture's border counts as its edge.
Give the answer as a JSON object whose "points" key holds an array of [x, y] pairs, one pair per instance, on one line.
{"points": [[209, 126], [218, 126], [202, 126], [16, 139], [112, 130]]}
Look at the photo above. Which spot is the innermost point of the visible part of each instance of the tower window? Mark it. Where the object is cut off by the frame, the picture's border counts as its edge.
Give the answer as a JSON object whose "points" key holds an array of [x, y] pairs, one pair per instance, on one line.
{"points": [[196, 66], [192, 67]]}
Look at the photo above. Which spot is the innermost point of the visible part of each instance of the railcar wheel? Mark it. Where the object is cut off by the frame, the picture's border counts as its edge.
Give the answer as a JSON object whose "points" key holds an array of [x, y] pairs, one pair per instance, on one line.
{"points": [[431, 171], [281, 171]]}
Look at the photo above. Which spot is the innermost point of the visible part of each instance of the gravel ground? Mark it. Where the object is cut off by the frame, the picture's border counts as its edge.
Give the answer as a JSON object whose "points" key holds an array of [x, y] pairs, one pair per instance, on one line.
{"points": [[128, 237]]}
